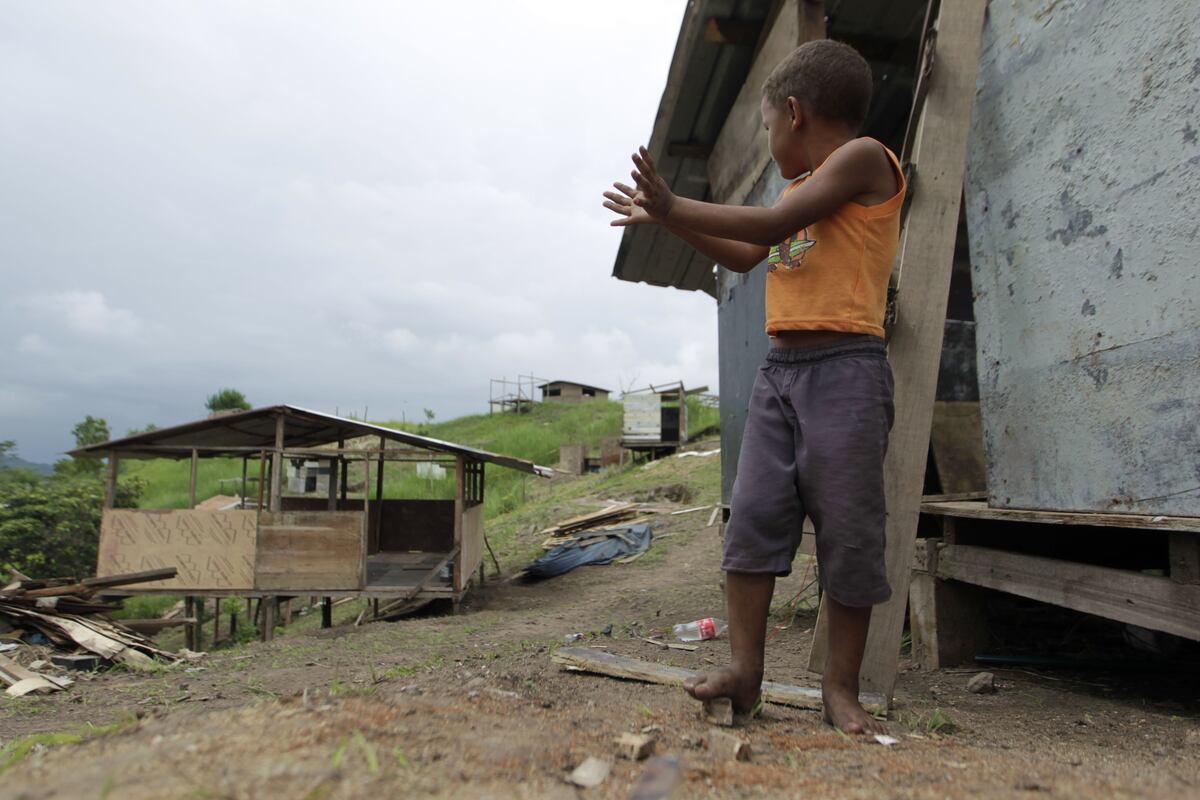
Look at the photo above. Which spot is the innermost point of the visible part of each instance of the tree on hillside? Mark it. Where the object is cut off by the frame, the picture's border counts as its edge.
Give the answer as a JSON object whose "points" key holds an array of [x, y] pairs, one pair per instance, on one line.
{"points": [[227, 400], [92, 430]]}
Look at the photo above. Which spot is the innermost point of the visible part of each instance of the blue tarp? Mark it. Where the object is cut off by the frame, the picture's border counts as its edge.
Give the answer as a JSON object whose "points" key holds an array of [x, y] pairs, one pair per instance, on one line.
{"points": [[595, 547]]}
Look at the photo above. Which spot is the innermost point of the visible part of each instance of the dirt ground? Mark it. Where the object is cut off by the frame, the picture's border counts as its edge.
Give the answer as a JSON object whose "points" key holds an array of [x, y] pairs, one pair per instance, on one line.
{"points": [[471, 706]]}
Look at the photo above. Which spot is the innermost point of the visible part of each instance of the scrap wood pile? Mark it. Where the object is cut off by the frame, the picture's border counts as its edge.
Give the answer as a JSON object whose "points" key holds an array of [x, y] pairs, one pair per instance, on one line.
{"points": [[598, 523], [66, 612]]}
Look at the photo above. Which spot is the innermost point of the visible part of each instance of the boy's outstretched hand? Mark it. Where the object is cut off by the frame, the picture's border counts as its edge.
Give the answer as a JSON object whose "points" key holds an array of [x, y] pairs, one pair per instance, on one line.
{"points": [[651, 201], [623, 205]]}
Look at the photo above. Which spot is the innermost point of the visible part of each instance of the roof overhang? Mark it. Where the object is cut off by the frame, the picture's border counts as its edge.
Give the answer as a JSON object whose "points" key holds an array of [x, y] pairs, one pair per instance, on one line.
{"points": [[714, 53]]}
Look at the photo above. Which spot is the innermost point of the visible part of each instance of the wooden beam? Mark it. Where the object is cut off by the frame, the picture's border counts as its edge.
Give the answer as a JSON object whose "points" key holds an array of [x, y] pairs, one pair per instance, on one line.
{"points": [[262, 474], [1124, 595], [947, 621], [718, 30], [923, 267], [192, 479], [740, 154], [332, 489], [586, 659], [460, 467], [276, 502], [110, 484]]}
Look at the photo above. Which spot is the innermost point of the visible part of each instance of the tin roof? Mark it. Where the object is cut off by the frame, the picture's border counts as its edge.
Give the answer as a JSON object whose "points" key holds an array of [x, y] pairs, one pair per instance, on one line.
{"points": [[243, 432]]}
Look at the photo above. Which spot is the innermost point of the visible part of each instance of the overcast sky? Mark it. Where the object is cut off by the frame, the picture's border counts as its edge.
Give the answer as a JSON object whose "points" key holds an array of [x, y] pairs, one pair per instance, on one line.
{"points": [[334, 205]]}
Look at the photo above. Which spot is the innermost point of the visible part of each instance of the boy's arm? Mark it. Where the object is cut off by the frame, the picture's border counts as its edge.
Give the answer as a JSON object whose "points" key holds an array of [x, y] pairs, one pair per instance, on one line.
{"points": [[737, 256], [849, 172]]}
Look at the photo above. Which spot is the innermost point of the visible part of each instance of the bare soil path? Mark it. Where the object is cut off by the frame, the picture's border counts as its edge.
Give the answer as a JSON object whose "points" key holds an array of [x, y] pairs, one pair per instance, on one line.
{"points": [[471, 706]]}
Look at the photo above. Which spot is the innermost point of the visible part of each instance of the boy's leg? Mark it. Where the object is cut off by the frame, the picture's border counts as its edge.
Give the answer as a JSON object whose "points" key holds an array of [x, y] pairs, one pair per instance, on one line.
{"points": [[839, 684], [748, 601]]}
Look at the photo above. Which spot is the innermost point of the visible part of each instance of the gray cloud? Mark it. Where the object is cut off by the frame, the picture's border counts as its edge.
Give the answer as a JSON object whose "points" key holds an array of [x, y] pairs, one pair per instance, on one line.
{"points": [[332, 205]]}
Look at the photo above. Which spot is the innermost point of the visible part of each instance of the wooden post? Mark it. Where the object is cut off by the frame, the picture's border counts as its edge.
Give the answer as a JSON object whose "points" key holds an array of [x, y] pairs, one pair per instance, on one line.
{"points": [[379, 491], [287, 612], [342, 472], [189, 611], [1184, 555], [216, 620], [192, 479], [460, 469], [267, 604], [233, 623], [366, 529], [327, 612], [277, 466], [110, 486], [262, 478], [198, 625], [923, 268], [245, 460], [333, 483]]}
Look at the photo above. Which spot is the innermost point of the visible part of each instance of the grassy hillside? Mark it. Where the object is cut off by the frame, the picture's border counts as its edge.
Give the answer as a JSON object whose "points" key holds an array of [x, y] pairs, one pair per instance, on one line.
{"points": [[535, 436]]}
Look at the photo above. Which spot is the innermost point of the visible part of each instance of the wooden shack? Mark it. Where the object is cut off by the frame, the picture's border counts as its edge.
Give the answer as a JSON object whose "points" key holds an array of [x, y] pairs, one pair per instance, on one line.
{"points": [[351, 542], [1068, 308], [655, 419], [570, 392]]}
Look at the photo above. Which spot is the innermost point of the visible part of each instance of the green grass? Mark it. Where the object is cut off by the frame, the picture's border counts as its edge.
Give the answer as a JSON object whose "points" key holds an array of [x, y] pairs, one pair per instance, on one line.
{"points": [[16, 750]]}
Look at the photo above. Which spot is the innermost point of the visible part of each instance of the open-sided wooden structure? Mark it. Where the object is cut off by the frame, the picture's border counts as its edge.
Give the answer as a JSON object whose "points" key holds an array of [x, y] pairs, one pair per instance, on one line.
{"points": [[351, 542]]}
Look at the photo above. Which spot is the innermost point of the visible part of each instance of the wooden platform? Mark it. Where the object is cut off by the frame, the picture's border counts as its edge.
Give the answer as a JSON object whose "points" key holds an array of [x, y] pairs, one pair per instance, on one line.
{"points": [[979, 509], [990, 548]]}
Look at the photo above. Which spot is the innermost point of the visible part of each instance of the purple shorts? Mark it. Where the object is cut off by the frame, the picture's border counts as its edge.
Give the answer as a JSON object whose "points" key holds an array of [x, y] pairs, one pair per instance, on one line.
{"points": [[815, 438]]}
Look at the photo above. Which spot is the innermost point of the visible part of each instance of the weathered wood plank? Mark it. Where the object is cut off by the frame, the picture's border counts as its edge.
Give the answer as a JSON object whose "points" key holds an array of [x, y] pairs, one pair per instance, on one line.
{"points": [[598, 661], [210, 549], [309, 550], [924, 264], [981, 510], [1124, 595]]}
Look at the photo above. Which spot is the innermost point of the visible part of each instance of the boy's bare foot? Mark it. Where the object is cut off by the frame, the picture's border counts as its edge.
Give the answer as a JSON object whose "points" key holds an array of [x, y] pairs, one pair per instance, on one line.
{"points": [[742, 688], [843, 711]]}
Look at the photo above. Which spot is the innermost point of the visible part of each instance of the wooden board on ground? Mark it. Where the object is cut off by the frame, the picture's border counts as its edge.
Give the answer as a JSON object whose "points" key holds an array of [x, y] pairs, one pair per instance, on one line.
{"points": [[211, 549], [309, 550], [598, 661], [923, 267], [956, 437]]}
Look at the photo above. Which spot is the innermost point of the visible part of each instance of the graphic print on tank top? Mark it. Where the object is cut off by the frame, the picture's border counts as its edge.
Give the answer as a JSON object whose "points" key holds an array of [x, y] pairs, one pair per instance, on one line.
{"points": [[789, 254]]}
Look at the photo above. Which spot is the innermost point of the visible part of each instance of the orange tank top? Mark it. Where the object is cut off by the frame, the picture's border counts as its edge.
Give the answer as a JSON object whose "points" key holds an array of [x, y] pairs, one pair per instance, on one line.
{"points": [[833, 275]]}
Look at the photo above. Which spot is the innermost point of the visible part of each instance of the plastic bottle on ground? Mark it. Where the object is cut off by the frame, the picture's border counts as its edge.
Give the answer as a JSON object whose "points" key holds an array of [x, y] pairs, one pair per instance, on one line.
{"points": [[701, 629]]}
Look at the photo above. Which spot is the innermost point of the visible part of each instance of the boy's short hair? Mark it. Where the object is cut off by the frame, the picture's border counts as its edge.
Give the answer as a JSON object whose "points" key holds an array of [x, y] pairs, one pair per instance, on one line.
{"points": [[830, 76]]}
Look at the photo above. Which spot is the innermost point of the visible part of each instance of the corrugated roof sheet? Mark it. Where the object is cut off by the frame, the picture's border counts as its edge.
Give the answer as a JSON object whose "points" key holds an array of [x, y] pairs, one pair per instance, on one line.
{"points": [[255, 429]]}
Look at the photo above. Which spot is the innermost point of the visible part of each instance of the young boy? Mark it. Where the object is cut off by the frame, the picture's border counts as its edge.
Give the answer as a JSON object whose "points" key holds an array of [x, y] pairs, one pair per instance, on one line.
{"points": [[821, 408]]}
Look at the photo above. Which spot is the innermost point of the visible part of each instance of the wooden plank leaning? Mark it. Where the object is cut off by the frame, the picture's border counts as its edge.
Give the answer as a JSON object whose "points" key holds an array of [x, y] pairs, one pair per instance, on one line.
{"points": [[923, 266]]}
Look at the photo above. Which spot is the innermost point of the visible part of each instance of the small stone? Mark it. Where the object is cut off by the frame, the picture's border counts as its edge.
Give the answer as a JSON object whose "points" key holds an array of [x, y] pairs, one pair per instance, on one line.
{"points": [[590, 774], [983, 683], [634, 746], [473, 694], [718, 711], [1192, 737], [40, 664], [727, 747]]}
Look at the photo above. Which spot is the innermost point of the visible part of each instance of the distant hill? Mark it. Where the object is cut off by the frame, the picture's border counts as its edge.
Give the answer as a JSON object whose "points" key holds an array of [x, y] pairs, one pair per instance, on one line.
{"points": [[16, 462]]}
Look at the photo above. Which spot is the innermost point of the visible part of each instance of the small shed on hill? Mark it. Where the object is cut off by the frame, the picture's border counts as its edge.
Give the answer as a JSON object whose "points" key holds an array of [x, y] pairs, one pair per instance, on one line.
{"points": [[352, 541], [570, 392]]}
